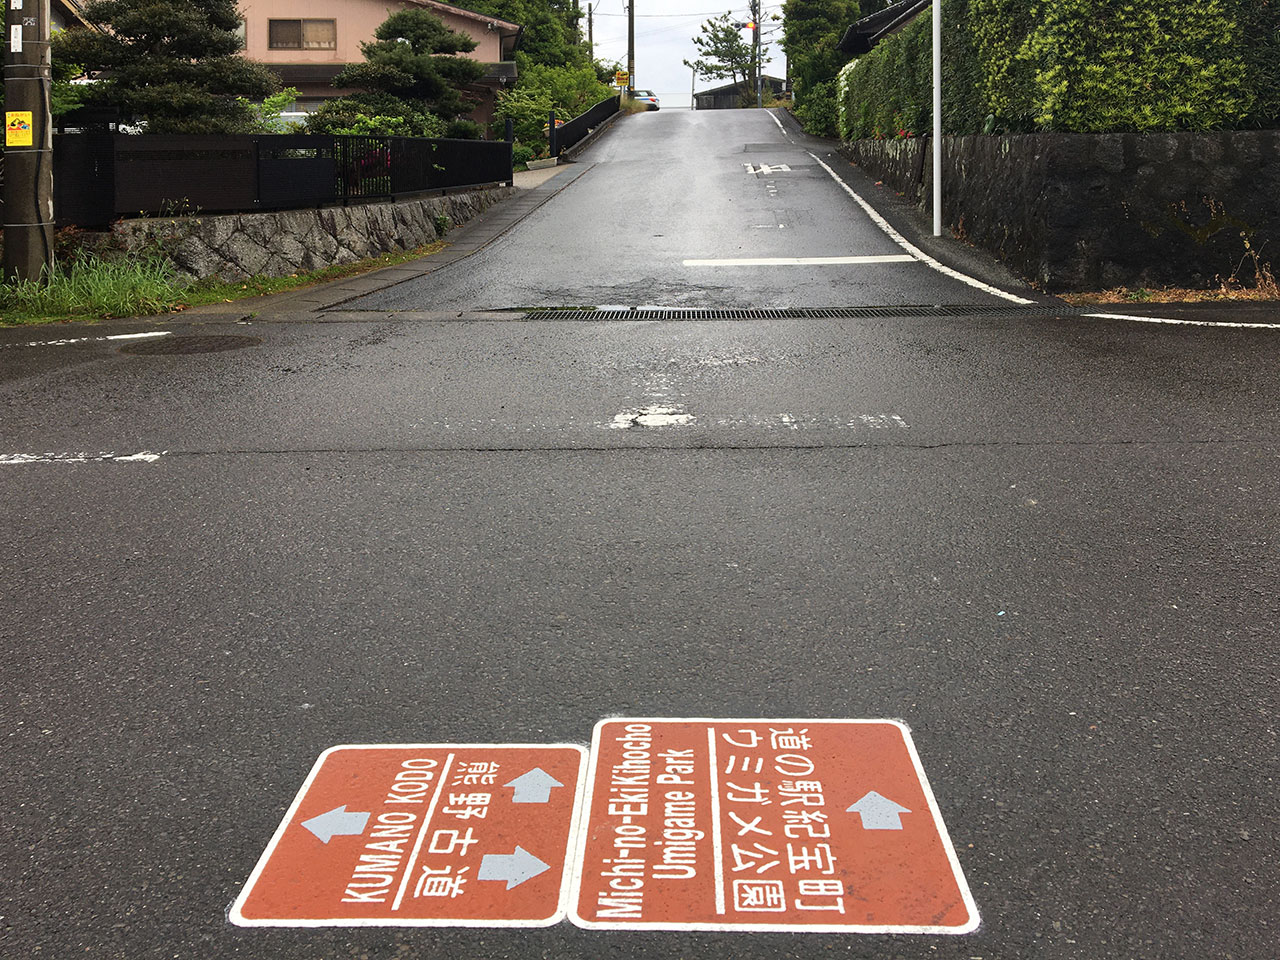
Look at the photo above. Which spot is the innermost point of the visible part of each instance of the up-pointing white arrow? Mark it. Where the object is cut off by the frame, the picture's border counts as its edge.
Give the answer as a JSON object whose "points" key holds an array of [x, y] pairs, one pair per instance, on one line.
{"points": [[878, 812], [533, 787]]}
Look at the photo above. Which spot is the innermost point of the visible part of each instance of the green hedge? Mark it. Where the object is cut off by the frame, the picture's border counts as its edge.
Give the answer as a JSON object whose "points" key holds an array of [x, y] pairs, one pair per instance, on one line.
{"points": [[1083, 66]]}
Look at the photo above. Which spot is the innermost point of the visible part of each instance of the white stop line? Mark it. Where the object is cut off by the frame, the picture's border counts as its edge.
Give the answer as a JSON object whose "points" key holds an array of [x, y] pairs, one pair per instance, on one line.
{"points": [[15, 459], [801, 261]]}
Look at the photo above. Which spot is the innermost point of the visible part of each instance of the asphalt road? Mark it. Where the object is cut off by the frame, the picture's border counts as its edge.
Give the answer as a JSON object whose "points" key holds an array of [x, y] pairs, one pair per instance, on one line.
{"points": [[1048, 544], [669, 187]]}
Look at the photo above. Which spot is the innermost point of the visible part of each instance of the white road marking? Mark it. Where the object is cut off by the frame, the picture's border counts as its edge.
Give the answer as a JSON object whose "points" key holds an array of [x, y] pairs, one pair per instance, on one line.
{"points": [[771, 116], [146, 456], [119, 336], [911, 248], [767, 169], [655, 415], [717, 843], [1189, 323], [800, 261], [669, 416]]}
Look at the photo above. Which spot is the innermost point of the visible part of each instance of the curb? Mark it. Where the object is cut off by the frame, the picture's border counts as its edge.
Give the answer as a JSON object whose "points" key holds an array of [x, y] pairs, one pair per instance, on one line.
{"points": [[470, 237], [569, 155]]}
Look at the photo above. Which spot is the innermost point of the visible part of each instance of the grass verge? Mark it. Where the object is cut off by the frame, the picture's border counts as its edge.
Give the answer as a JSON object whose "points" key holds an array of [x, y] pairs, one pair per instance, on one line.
{"points": [[91, 289], [1171, 295]]}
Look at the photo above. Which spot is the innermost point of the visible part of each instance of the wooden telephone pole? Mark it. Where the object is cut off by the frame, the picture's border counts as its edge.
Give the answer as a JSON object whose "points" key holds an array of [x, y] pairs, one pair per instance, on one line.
{"points": [[28, 150], [755, 22], [631, 48]]}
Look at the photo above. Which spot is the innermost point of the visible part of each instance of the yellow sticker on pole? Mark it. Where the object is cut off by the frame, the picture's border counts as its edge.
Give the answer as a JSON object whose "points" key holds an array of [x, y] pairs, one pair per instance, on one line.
{"points": [[17, 128]]}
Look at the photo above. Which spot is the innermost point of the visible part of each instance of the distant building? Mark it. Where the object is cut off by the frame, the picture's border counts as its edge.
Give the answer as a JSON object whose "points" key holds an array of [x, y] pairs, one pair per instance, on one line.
{"points": [[733, 96], [307, 42]]}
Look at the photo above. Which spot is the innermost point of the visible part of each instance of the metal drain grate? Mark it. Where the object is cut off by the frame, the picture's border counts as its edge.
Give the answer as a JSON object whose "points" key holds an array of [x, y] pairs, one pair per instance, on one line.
{"points": [[800, 313], [182, 346]]}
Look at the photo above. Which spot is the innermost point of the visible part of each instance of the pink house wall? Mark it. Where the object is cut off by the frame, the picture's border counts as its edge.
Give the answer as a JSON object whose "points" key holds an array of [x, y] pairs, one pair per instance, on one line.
{"points": [[356, 21]]}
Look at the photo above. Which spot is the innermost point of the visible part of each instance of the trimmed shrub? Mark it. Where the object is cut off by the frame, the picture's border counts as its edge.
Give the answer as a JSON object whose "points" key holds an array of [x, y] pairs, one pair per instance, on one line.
{"points": [[1137, 65], [1084, 66], [818, 111]]}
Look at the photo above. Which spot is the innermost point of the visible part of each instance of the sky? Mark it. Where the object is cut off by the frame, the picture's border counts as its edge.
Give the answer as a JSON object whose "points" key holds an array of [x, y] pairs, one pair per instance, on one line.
{"points": [[664, 40]]}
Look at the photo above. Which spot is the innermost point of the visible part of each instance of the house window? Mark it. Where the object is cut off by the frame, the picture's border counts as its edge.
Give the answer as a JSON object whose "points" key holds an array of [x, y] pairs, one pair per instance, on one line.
{"points": [[303, 34]]}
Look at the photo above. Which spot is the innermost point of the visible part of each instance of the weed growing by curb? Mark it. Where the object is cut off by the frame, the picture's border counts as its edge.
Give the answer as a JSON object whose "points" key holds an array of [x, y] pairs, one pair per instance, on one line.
{"points": [[92, 288]]}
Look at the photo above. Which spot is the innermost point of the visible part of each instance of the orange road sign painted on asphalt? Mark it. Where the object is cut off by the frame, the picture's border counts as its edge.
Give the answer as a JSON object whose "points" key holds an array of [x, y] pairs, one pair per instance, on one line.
{"points": [[790, 825], [423, 835]]}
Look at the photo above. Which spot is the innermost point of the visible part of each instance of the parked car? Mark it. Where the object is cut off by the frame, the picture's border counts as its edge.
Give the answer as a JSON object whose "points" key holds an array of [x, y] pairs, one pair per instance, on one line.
{"points": [[647, 98]]}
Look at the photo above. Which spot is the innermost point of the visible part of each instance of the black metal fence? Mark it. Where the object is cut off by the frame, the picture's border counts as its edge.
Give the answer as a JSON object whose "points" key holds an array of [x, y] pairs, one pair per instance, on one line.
{"points": [[99, 177], [573, 131]]}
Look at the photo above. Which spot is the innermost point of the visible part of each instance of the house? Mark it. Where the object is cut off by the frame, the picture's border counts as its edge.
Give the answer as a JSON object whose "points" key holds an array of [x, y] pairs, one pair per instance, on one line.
{"points": [[733, 95], [870, 30], [307, 42], [66, 13]]}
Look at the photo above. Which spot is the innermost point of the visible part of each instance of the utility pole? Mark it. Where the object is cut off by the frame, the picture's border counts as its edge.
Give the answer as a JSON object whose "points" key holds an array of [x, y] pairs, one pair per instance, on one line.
{"points": [[755, 22], [591, 30], [631, 48], [937, 118], [28, 154]]}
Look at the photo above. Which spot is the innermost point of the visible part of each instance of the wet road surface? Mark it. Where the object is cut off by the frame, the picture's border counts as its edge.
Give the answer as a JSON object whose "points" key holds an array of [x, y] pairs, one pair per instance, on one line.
{"points": [[1046, 544]]}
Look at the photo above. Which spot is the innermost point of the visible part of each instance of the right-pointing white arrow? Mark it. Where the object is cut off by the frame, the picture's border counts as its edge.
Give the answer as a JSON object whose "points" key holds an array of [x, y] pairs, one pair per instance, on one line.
{"points": [[878, 813], [512, 868]]}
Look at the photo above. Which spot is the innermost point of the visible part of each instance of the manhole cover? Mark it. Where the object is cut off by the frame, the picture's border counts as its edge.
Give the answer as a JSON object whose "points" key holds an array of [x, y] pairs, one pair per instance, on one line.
{"points": [[171, 346]]}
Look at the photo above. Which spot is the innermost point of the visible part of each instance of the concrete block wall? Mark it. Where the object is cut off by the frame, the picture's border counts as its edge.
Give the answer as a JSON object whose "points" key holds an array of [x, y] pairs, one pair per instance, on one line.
{"points": [[236, 246]]}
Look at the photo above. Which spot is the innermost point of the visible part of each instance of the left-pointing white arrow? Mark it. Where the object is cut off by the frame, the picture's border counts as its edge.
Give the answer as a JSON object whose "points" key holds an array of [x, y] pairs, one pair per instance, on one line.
{"points": [[337, 823]]}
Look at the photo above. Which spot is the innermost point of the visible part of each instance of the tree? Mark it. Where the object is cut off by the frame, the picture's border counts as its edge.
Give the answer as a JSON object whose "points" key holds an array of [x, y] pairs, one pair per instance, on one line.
{"points": [[411, 80], [174, 64], [554, 65], [725, 55], [571, 90], [811, 29], [552, 33]]}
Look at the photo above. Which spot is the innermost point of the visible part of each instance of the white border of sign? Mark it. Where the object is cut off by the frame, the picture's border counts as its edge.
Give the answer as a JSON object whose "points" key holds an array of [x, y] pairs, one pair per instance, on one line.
{"points": [[236, 917], [579, 860]]}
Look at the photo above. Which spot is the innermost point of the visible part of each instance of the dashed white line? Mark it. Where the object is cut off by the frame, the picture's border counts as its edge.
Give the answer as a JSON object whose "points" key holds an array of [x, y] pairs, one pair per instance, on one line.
{"points": [[911, 248]]}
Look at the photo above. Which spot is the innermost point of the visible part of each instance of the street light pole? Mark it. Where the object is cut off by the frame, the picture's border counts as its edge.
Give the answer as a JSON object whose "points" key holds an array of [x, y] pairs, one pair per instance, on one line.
{"points": [[937, 118], [28, 156]]}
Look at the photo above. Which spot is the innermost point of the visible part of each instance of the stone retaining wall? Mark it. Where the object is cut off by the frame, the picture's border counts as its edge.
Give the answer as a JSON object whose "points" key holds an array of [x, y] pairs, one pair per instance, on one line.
{"points": [[1084, 212], [237, 246]]}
